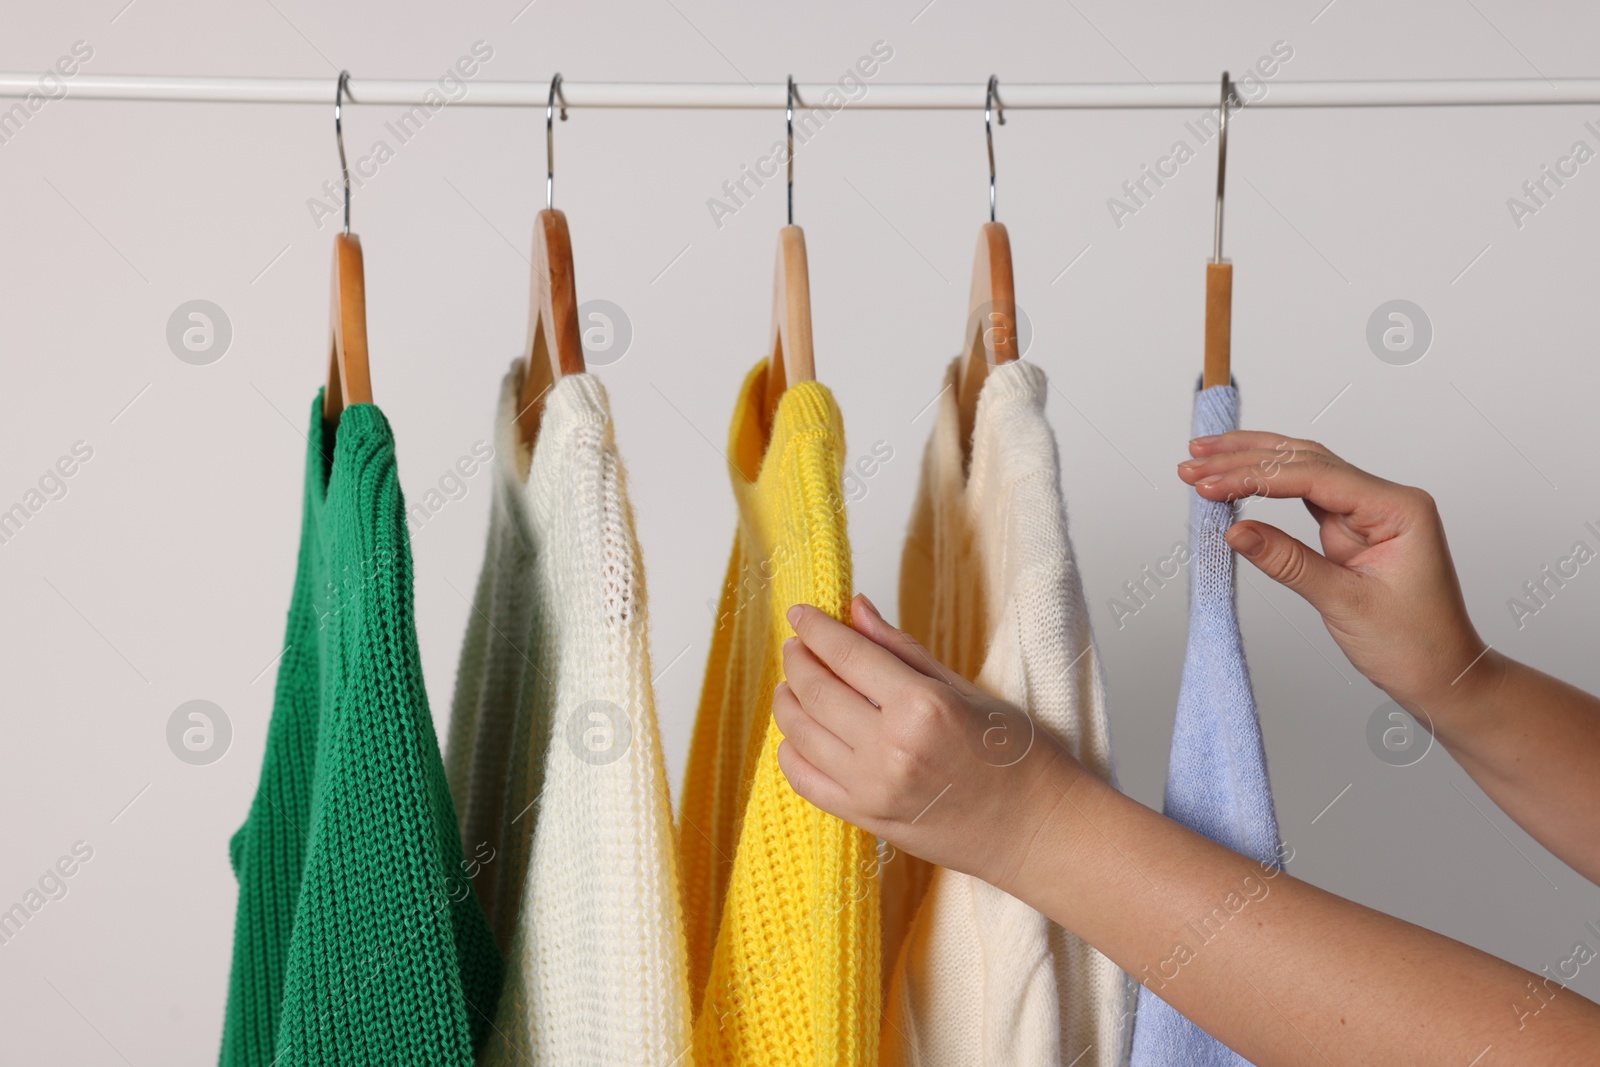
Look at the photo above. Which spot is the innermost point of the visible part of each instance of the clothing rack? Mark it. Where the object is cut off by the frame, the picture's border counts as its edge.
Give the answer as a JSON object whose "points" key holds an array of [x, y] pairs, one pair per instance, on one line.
{"points": [[727, 95]]}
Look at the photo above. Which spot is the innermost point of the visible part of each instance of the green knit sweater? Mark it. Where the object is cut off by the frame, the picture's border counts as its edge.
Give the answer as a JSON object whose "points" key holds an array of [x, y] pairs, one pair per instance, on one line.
{"points": [[358, 939]]}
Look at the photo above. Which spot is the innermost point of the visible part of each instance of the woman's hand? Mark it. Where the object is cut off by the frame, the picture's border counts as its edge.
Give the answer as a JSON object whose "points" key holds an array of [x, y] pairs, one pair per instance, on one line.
{"points": [[1388, 594], [1384, 582], [880, 734]]}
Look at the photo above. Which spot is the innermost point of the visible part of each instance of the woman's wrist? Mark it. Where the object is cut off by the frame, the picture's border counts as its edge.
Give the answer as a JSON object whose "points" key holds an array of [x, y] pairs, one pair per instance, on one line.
{"points": [[1057, 810], [1468, 704]]}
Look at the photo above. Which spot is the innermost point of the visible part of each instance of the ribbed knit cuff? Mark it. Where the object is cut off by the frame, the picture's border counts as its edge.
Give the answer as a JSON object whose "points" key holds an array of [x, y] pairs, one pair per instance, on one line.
{"points": [[1012, 381], [364, 453], [1216, 410], [803, 408], [576, 399]]}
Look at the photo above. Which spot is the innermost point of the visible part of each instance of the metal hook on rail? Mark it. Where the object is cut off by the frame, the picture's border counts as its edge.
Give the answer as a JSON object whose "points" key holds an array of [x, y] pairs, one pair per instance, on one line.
{"points": [[550, 139], [1222, 163], [339, 94], [991, 101]]}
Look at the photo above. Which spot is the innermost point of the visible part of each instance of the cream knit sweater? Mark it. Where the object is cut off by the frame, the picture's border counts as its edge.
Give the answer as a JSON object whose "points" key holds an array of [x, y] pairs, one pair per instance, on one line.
{"points": [[554, 758], [989, 585]]}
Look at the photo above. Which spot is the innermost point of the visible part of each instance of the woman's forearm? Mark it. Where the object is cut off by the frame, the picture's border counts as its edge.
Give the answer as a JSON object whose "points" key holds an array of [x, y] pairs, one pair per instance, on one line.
{"points": [[1532, 742], [1285, 973]]}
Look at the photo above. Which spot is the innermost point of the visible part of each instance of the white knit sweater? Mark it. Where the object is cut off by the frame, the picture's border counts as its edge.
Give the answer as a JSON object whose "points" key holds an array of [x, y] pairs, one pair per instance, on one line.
{"points": [[554, 757], [989, 584]]}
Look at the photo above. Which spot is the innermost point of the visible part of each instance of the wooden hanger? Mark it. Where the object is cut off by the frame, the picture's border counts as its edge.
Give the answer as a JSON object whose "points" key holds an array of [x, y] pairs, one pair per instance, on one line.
{"points": [[349, 378], [991, 337], [555, 342], [790, 358], [991, 330], [1219, 325], [1219, 273]]}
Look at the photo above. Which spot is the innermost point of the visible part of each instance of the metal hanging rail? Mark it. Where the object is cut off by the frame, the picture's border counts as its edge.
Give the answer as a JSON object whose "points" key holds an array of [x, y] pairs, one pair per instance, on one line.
{"points": [[871, 96]]}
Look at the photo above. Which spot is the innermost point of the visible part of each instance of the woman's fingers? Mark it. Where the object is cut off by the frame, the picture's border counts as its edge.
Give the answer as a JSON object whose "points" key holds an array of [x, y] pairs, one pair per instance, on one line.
{"points": [[863, 664], [812, 685], [1238, 440], [869, 622], [1331, 485], [1331, 589], [812, 782], [811, 736]]}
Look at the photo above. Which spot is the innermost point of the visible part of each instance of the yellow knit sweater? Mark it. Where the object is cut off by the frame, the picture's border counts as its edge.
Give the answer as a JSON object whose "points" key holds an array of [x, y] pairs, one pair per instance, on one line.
{"points": [[781, 899]]}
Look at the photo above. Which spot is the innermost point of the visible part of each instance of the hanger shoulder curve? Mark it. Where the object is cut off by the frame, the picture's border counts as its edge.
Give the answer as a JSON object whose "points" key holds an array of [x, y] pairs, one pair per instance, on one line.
{"points": [[791, 357], [991, 327], [555, 340], [349, 373]]}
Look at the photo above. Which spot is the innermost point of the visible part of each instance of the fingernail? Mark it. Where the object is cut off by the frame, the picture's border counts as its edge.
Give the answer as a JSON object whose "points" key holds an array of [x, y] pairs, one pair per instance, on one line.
{"points": [[788, 643], [1203, 482], [793, 615], [1191, 464], [865, 599], [1207, 439], [1247, 541]]}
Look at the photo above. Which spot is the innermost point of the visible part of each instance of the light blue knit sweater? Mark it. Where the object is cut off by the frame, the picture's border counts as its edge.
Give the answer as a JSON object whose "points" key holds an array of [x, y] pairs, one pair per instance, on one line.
{"points": [[1217, 772]]}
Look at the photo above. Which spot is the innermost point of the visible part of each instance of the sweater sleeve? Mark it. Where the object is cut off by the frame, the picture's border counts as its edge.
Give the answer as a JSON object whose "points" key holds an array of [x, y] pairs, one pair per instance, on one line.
{"points": [[794, 976], [595, 971], [1217, 773], [391, 959], [982, 977]]}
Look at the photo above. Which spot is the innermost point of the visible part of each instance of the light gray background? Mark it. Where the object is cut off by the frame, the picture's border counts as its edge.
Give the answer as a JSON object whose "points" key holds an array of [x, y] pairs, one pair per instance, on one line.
{"points": [[164, 574]]}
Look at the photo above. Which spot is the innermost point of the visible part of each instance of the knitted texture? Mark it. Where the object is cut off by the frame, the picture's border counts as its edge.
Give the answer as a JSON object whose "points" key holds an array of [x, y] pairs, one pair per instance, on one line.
{"points": [[554, 743], [781, 898], [989, 584], [357, 938], [1217, 773]]}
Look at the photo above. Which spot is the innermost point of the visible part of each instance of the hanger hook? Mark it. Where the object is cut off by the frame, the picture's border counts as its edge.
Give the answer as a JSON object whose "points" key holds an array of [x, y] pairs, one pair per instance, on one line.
{"points": [[338, 132], [788, 117], [991, 101], [1222, 163], [550, 139]]}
